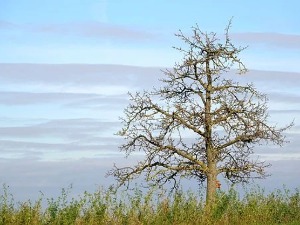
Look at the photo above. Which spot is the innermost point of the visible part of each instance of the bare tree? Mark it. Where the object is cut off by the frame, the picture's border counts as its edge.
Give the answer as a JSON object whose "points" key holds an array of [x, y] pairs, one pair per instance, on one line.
{"points": [[198, 124]]}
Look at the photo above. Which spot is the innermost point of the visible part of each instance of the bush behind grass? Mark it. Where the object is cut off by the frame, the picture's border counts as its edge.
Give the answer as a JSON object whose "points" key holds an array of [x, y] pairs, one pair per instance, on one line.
{"points": [[154, 207]]}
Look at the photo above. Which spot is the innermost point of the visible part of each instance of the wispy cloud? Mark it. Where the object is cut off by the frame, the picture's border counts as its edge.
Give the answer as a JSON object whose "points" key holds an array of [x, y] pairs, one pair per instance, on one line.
{"points": [[78, 74], [56, 140], [68, 129], [284, 97], [7, 25], [90, 29], [285, 111], [64, 99], [291, 41], [57, 151], [101, 74], [96, 30], [27, 98], [271, 81], [98, 86]]}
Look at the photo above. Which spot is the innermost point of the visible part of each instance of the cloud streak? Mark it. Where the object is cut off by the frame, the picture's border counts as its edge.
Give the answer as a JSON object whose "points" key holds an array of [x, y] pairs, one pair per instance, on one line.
{"points": [[102, 74], [90, 29], [27, 98], [7, 25], [65, 139], [73, 128], [73, 100], [78, 74], [290, 41], [98, 86]]}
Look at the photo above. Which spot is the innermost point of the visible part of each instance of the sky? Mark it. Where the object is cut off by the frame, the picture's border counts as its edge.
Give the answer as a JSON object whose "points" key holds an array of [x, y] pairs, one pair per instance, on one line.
{"points": [[66, 67]]}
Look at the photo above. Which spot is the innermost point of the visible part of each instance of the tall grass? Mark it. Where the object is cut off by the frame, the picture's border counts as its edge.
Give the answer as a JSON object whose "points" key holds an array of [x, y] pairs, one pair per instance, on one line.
{"points": [[104, 207]]}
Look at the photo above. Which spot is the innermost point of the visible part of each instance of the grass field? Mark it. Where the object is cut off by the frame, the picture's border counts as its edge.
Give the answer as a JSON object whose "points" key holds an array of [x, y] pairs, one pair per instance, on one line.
{"points": [[103, 207]]}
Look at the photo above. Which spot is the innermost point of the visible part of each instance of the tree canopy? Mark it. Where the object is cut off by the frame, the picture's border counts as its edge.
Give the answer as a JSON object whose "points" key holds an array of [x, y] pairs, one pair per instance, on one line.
{"points": [[199, 123]]}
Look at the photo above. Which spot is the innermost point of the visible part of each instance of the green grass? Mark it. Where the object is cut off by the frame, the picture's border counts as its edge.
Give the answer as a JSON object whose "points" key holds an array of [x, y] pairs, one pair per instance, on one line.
{"points": [[103, 207]]}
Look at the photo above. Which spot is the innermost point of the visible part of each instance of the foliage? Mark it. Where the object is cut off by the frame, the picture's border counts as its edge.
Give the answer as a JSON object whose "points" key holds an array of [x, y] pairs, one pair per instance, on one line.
{"points": [[104, 207]]}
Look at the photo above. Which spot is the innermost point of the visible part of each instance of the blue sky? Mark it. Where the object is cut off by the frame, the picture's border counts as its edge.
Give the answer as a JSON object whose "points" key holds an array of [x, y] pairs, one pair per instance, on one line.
{"points": [[66, 66]]}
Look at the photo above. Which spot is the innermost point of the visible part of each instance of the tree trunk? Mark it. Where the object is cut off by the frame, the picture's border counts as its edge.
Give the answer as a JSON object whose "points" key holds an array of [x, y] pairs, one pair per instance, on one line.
{"points": [[211, 185], [211, 160]]}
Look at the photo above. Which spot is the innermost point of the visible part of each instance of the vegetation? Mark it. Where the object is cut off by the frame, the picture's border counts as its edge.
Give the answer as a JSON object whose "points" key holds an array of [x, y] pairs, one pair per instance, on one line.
{"points": [[199, 124], [103, 207]]}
